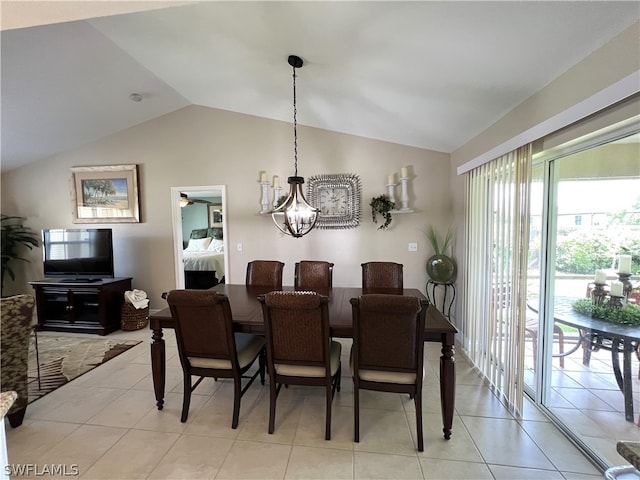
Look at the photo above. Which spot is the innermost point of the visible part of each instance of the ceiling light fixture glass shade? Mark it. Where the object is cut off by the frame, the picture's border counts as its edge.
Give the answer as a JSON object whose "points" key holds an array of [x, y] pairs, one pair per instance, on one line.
{"points": [[295, 216]]}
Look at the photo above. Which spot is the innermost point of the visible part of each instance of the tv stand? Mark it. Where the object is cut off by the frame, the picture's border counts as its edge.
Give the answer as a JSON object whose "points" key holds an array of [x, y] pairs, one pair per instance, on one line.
{"points": [[80, 305], [79, 280]]}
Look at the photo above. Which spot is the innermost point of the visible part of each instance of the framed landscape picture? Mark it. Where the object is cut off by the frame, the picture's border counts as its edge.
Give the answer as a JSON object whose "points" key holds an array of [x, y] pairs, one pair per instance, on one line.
{"points": [[105, 194]]}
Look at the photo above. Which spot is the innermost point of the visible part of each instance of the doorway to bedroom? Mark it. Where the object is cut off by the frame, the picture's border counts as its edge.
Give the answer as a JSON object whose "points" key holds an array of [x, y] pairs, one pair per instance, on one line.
{"points": [[199, 235]]}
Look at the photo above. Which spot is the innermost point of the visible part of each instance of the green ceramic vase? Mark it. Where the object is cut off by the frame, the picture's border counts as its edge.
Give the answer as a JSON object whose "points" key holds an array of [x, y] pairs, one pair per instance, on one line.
{"points": [[441, 268]]}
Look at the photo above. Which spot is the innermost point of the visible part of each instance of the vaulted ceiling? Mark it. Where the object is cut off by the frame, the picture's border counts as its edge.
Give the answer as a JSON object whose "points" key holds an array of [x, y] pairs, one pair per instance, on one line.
{"points": [[425, 74]]}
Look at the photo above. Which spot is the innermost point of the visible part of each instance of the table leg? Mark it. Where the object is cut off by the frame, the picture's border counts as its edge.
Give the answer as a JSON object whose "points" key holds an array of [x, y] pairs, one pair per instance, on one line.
{"points": [[586, 346], [447, 384], [626, 376], [623, 378], [158, 365]]}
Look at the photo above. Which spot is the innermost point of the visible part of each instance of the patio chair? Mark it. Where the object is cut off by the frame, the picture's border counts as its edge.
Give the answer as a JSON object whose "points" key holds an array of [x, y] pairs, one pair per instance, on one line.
{"points": [[531, 327]]}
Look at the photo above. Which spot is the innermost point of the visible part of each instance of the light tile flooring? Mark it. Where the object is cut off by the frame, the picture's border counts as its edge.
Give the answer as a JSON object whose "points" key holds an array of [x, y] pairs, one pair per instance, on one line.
{"points": [[106, 423]]}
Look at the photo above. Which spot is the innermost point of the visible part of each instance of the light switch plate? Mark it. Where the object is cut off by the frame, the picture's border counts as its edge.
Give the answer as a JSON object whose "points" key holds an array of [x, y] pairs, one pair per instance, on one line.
{"points": [[413, 247]]}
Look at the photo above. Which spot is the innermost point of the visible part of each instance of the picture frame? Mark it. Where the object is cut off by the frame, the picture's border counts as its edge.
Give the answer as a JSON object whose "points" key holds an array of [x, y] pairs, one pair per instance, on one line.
{"points": [[338, 196], [214, 212], [105, 194]]}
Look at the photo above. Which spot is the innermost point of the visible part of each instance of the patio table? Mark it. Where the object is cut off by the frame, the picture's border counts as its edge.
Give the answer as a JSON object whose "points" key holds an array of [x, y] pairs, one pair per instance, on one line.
{"points": [[598, 334]]}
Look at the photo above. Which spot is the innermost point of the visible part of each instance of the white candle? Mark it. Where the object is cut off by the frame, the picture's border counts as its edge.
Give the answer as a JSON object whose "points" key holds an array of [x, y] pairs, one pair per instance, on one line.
{"points": [[392, 179], [601, 277], [404, 172], [276, 181], [616, 288], [624, 263], [263, 176]]}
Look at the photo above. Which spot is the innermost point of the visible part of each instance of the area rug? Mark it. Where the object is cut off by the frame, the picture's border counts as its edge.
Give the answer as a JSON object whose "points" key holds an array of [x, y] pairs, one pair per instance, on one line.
{"points": [[63, 358]]}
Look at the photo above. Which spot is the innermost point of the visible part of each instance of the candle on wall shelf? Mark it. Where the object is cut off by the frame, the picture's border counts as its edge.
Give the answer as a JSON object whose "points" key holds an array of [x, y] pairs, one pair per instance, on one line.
{"points": [[404, 172], [624, 263], [391, 185], [264, 199], [276, 191], [601, 277], [404, 195], [616, 288]]}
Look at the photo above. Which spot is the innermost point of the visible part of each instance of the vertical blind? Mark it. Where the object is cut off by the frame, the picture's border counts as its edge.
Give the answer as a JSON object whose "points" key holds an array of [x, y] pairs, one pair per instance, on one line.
{"points": [[497, 228]]}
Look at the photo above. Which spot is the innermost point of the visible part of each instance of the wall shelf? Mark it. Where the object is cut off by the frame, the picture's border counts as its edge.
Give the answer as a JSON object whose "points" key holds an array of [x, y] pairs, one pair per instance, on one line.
{"points": [[402, 211]]}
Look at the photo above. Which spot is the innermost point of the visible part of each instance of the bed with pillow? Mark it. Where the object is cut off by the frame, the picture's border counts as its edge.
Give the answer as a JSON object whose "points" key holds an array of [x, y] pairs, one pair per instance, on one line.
{"points": [[203, 259]]}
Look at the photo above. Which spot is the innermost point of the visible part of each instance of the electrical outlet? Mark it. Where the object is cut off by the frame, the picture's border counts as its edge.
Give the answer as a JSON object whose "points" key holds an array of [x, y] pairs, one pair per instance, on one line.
{"points": [[413, 247], [239, 247]]}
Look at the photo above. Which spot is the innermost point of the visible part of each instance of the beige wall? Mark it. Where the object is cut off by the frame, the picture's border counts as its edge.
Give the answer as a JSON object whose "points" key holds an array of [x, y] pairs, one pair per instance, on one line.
{"points": [[615, 61], [202, 146]]}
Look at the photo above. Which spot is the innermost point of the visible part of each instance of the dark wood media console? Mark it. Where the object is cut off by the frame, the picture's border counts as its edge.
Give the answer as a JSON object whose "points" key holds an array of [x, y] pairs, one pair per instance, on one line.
{"points": [[79, 306]]}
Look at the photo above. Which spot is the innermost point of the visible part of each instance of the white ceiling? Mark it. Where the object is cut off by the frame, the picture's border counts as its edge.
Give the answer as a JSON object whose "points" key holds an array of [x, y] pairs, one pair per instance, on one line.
{"points": [[425, 74]]}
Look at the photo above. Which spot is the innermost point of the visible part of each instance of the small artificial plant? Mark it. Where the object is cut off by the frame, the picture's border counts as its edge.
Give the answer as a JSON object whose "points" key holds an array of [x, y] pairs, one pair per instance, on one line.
{"points": [[440, 248], [14, 236], [280, 201], [382, 205]]}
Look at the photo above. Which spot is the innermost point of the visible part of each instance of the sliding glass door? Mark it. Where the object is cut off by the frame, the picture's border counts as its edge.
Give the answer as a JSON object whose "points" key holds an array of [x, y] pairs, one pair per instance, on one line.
{"points": [[585, 218]]}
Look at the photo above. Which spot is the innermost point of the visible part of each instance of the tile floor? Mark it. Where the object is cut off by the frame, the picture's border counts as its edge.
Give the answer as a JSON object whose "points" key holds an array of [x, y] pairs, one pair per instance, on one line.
{"points": [[106, 423]]}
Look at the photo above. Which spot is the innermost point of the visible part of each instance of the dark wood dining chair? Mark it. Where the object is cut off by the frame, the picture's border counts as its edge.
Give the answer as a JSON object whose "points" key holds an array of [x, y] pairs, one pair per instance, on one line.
{"points": [[266, 273], [382, 275], [312, 274], [387, 351], [208, 346], [299, 348]]}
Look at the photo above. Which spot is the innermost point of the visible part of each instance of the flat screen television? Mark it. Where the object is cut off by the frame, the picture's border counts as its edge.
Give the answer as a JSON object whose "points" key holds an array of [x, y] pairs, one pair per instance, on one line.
{"points": [[78, 254]]}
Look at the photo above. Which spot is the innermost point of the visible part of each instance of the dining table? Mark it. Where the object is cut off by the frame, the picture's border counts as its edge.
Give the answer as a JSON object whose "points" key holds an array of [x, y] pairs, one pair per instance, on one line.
{"points": [[247, 317]]}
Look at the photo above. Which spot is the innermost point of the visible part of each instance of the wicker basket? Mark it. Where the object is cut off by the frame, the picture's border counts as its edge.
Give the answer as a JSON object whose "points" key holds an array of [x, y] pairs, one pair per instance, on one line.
{"points": [[133, 318]]}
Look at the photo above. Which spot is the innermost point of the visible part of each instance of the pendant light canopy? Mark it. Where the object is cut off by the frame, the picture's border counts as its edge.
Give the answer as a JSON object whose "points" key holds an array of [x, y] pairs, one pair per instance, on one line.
{"points": [[295, 216]]}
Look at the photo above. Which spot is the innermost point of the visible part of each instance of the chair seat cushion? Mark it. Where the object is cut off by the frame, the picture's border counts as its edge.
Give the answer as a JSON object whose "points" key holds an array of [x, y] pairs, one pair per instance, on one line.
{"points": [[247, 345], [308, 371], [384, 376]]}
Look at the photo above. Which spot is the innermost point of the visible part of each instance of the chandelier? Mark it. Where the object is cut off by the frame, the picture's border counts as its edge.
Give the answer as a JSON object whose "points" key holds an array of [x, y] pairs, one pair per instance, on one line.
{"points": [[295, 216]]}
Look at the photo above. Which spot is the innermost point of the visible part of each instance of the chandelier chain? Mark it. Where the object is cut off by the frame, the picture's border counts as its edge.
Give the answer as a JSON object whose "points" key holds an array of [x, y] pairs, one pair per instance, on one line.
{"points": [[295, 124]]}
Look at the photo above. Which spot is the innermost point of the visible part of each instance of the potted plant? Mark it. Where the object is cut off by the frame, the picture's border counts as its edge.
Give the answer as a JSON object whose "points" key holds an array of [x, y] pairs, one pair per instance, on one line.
{"points": [[382, 205], [15, 236], [441, 268]]}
